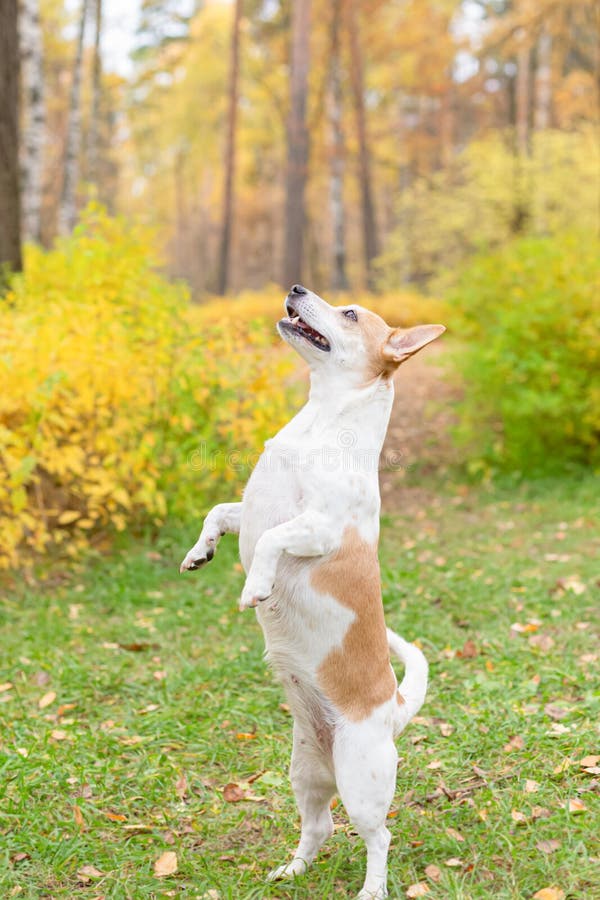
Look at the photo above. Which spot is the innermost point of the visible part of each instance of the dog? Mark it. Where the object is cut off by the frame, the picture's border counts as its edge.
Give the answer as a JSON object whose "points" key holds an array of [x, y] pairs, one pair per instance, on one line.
{"points": [[308, 530]]}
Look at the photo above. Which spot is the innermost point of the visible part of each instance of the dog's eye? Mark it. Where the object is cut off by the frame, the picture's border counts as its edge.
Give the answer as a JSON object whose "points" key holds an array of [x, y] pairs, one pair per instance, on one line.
{"points": [[350, 314]]}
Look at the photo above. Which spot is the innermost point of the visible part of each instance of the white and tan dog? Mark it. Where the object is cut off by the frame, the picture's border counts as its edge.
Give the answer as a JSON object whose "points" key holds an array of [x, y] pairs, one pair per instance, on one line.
{"points": [[308, 531]]}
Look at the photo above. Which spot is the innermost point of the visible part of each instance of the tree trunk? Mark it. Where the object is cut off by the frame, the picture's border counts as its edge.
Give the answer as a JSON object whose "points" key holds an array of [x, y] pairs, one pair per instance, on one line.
{"points": [[10, 213], [32, 159], [339, 280], [67, 213], [228, 186], [93, 143], [370, 241], [522, 101], [297, 143], [543, 82]]}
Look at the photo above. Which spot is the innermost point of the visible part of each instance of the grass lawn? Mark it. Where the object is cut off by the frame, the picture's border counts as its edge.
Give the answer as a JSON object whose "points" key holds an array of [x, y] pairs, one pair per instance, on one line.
{"points": [[131, 696]]}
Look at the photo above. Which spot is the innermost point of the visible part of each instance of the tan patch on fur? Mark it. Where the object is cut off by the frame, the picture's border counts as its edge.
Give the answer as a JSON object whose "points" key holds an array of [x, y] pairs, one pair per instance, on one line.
{"points": [[356, 677], [400, 699], [375, 334]]}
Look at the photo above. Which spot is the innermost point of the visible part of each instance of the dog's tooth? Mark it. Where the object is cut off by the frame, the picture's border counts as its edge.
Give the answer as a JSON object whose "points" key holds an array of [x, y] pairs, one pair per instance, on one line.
{"points": [[295, 320]]}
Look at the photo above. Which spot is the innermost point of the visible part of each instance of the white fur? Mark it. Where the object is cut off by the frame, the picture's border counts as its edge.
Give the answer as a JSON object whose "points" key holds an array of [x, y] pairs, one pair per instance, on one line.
{"points": [[317, 477]]}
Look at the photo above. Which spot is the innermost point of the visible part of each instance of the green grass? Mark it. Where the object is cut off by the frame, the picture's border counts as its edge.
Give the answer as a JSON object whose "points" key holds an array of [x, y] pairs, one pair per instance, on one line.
{"points": [[127, 724]]}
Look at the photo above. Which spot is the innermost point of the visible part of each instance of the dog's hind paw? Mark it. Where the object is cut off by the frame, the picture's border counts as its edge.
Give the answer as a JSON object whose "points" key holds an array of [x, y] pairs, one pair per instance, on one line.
{"points": [[379, 894], [290, 870]]}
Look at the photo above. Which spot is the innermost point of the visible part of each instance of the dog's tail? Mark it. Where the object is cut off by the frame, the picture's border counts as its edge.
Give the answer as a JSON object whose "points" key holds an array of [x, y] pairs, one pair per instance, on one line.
{"points": [[413, 687]]}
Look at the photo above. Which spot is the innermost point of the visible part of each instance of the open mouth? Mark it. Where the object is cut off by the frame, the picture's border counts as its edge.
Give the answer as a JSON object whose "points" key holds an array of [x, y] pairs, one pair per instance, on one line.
{"points": [[297, 325]]}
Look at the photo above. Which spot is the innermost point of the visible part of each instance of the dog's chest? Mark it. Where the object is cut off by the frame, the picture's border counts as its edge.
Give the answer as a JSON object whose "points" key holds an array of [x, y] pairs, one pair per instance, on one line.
{"points": [[286, 482]]}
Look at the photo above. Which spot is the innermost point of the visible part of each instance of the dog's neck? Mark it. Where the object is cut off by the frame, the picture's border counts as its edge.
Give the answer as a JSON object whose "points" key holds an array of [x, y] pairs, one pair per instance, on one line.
{"points": [[339, 414]]}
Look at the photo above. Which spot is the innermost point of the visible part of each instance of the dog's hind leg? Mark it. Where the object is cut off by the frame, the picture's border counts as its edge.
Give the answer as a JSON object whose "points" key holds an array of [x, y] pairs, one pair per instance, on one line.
{"points": [[314, 785], [365, 770]]}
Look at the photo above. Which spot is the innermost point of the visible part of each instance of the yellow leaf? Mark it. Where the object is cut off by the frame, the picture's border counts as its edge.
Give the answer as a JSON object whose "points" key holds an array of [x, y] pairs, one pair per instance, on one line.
{"points": [[166, 864], [47, 699], [549, 893], [68, 516]]}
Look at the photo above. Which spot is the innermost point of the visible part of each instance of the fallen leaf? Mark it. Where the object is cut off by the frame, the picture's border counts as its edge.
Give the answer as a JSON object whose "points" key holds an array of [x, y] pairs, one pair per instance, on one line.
{"points": [[89, 872], [59, 735], [160, 675], [433, 872], [515, 743], [572, 583], [518, 817], [555, 711], [527, 628], [453, 833], [138, 646], [543, 642], [418, 890], [434, 764], [446, 729], [469, 651], [589, 761], [19, 857], [65, 707], [531, 786], [166, 864], [245, 736], [575, 806], [548, 846], [5, 687], [78, 816], [549, 893], [47, 699], [540, 812], [115, 817], [233, 793], [453, 862], [558, 728], [181, 787]]}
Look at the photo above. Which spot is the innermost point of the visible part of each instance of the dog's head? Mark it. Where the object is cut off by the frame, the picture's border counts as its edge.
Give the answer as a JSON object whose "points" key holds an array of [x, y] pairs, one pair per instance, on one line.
{"points": [[348, 338]]}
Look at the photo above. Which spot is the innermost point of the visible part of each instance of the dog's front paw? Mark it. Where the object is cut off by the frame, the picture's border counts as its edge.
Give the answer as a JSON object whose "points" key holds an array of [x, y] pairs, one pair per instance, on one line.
{"points": [[255, 591], [200, 554], [290, 870]]}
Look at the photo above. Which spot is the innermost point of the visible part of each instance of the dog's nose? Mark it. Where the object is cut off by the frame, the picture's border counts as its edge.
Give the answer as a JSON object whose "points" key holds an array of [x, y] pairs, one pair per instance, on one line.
{"points": [[298, 289]]}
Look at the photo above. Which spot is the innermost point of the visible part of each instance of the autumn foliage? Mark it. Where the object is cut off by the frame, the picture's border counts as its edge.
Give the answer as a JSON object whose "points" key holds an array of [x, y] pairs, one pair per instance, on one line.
{"points": [[528, 318]]}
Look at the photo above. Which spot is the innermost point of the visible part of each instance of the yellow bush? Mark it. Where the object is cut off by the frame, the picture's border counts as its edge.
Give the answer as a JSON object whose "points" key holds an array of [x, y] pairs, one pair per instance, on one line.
{"points": [[118, 399], [121, 401]]}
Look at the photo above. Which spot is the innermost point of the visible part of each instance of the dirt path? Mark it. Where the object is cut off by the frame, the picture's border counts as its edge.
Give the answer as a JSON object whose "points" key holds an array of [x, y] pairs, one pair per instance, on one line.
{"points": [[419, 432]]}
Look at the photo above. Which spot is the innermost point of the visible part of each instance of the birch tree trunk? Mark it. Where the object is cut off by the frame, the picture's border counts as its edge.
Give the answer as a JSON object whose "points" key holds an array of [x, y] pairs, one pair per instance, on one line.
{"points": [[543, 82], [34, 134], [297, 143], [93, 143], [370, 242], [541, 122], [522, 100], [339, 280], [10, 212], [228, 186], [67, 213]]}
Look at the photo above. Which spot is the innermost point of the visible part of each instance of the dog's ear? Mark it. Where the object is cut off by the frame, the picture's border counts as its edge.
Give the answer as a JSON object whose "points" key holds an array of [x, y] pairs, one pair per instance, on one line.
{"points": [[401, 344]]}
